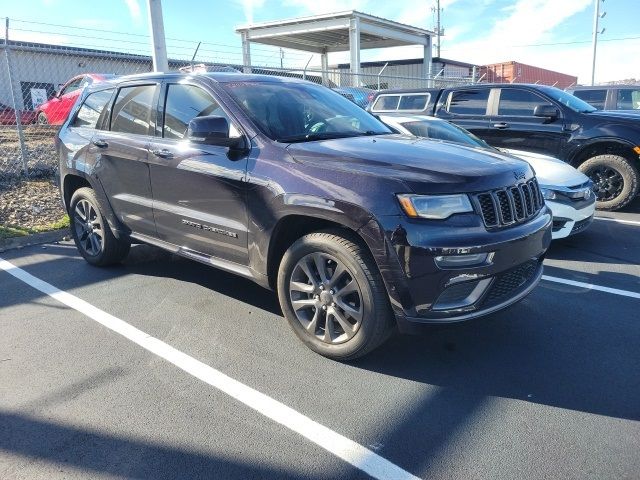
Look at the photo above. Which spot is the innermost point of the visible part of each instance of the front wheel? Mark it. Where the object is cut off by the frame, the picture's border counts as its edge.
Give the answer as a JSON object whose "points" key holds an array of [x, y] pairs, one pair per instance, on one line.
{"points": [[91, 232], [615, 180], [333, 297]]}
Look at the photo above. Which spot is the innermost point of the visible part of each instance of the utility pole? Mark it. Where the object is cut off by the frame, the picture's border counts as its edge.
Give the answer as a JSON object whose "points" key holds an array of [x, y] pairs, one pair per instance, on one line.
{"points": [[437, 10], [596, 19], [158, 45], [281, 58]]}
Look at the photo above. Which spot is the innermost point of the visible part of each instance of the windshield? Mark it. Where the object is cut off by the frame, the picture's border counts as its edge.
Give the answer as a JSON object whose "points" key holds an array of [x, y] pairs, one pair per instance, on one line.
{"points": [[442, 130], [568, 100], [301, 112]]}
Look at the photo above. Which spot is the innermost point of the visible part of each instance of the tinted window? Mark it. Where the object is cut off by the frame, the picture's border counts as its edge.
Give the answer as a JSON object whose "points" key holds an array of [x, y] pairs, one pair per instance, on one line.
{"points": [[519, 103], [592, 97], [132, 110], [413, 102], [469, 102], [628, 99], [92, 108], [387, 102], [184, 103]]}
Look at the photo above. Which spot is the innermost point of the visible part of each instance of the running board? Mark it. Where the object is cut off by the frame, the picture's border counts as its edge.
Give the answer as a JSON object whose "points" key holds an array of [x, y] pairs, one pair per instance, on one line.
{"points": [[195, 255]]}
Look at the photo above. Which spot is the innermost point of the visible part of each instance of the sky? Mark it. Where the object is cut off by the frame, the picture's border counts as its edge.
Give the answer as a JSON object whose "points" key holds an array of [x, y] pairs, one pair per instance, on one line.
{"points": [[553, 34]]}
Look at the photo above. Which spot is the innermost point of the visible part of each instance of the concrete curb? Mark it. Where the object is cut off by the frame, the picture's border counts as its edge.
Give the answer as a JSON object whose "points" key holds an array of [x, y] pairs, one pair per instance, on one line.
{"points": [[35, 239]]}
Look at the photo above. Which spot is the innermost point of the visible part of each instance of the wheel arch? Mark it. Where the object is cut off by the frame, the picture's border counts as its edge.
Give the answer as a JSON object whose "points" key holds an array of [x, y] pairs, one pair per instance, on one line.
{"points": [[605, 146]]}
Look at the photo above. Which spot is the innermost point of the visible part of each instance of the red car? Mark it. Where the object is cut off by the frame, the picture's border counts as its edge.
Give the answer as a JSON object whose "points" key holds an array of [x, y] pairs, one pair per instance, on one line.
{"points": [[8, 116], [55, 110]]}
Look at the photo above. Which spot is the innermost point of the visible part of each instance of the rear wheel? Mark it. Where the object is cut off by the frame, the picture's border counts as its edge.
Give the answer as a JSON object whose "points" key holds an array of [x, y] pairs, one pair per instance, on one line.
{"points": [[615, 180], [91, 232], [42, 119], [333, 297]]}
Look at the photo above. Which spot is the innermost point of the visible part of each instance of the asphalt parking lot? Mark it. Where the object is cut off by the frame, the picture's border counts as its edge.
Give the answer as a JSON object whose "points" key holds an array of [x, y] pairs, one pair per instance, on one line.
{"points": [[547, 389]]}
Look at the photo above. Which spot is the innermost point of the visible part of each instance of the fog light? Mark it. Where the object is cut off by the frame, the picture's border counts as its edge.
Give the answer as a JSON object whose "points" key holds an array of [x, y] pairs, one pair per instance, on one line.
{"points": [[456, 261]]}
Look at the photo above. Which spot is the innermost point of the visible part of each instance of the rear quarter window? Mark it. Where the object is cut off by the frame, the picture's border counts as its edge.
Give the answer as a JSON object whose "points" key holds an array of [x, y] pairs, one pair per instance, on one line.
{"points": [[401, 102], [92, 109]]}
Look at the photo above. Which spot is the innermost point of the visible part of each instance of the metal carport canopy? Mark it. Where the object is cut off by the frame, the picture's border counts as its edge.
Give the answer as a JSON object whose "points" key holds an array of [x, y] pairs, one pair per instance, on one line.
{"points": [[335, 32]]}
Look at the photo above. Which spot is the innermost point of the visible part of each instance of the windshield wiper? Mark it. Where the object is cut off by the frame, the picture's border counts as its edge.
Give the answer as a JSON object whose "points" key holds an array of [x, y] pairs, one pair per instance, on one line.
{"points": [[310, 137]]}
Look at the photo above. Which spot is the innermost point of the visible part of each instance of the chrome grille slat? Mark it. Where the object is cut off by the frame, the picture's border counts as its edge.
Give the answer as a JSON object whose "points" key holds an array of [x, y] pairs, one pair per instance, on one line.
{"points": [[509, 206]]}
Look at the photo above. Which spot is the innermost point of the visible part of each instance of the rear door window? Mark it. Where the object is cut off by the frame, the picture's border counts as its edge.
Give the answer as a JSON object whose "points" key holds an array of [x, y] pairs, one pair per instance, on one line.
{"points": [[183, 104], [628, 99], [414, 102], [595, 98], [469, 102], [401, 102], [132, 109], [519, 103], [92, 109]]}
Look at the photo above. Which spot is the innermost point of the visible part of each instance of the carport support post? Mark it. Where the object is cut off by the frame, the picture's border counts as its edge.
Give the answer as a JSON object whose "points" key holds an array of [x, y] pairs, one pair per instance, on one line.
{"points": [[324, 66], [246, 52], [354, 50], [427, 60], [158, 44], [14, 103]]}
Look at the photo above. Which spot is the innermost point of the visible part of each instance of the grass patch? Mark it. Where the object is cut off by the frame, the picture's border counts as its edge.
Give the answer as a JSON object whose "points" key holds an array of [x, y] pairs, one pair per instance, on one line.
{"points": [[9, 231]]}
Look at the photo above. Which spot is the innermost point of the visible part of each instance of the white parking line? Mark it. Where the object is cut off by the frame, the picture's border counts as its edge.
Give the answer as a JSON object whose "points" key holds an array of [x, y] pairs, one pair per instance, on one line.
{"points": [[591, 286], [618, 220], [348, 450]]}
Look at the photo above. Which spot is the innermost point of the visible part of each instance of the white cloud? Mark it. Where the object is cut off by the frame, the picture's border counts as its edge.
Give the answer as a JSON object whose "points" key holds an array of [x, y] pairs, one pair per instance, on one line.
{"points": [[248, 7], [134, 9]]}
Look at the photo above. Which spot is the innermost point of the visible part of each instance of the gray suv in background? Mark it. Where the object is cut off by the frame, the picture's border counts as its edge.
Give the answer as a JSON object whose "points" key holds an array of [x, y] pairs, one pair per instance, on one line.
{"points": [[610, 97]]}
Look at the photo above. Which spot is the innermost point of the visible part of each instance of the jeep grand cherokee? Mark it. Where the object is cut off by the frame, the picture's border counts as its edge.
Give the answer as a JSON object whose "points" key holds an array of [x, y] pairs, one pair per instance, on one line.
{"points": [[290, 184]]}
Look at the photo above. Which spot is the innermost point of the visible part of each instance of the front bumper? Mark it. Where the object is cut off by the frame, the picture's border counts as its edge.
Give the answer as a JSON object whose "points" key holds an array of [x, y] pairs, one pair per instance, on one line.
{"points": [[422, 292], [569, 220]]}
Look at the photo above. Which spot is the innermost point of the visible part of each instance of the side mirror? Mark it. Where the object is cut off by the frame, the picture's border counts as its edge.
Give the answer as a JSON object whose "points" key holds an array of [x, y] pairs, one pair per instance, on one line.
{"points": [[546, 111], [212, 130]]}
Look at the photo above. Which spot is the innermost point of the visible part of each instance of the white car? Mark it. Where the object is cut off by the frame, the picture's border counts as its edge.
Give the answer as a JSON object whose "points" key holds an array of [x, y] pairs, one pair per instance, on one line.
{"points": [[567, 192]]}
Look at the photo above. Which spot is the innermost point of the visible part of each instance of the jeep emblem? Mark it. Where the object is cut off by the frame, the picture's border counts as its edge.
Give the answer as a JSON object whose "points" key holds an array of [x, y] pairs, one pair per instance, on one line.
{"points": [[519, 175]]}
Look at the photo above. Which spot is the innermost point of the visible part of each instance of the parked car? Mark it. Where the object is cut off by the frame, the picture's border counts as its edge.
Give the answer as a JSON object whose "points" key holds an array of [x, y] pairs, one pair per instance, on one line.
{"points": [[55, 110], [567, 192], [8, 116], [541, 119], [359, 95], [291, 185], [625, 98]]}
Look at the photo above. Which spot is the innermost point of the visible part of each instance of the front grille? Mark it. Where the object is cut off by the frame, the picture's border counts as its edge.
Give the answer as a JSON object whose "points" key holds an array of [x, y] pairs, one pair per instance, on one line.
{"points": [[508, 206], [507, 284], [581, 225]]}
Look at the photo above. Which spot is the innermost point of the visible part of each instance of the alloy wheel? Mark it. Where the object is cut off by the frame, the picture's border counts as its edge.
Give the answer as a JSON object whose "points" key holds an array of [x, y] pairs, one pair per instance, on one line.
{"points": [[326, 298], [607, 182], [88, 227]]}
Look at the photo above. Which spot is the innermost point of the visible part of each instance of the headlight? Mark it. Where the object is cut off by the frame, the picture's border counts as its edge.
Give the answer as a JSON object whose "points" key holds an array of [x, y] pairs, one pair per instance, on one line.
{"points": [[548, 194], [434, 206]]}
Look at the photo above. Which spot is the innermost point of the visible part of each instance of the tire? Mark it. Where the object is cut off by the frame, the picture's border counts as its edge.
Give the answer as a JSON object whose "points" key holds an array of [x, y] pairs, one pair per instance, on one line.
{"points": [[42, 119], [616, 180], [89, 228], [359, 321]]}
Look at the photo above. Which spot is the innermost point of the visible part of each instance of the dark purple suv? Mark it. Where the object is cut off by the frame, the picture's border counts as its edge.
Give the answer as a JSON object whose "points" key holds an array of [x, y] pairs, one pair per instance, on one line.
{"points": [[288, 183]]}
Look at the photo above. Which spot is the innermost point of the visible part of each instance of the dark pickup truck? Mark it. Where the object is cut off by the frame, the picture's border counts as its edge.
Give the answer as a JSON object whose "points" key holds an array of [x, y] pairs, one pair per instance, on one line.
{"points": [[538, 118]]}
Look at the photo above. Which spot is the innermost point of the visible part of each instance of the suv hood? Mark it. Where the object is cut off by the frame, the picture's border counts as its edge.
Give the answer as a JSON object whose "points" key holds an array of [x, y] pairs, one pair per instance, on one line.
{"points": [[625, 117], [549, 170], [424, 165]]}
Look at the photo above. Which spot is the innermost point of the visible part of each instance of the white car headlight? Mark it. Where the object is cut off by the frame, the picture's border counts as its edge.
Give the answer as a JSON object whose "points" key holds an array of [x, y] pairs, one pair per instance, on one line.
{"points": [[548, 194], [434, 206]]}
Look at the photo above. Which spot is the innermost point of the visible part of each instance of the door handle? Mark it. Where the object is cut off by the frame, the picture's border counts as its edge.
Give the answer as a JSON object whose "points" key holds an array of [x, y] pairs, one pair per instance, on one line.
{"points": [[501, 125], [164, 153], [100, 143]]}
